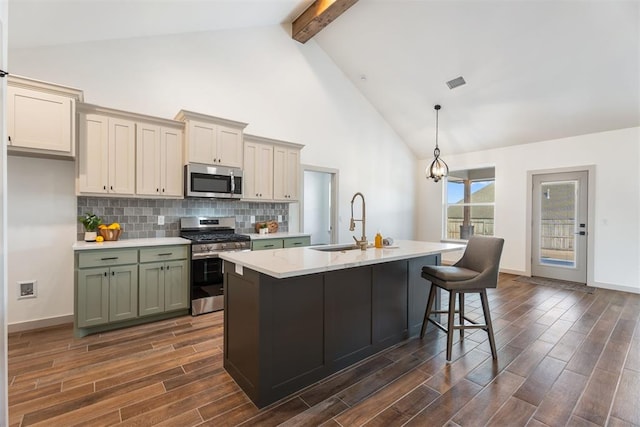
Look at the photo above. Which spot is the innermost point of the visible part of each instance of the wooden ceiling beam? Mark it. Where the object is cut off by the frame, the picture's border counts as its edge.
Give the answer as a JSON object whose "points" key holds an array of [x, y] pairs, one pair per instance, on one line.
{"points": [[317, 16]]}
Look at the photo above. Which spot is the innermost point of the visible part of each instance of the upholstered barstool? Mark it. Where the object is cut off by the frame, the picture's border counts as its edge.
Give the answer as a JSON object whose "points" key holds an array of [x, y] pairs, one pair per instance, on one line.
{"points": [[476, 271]]}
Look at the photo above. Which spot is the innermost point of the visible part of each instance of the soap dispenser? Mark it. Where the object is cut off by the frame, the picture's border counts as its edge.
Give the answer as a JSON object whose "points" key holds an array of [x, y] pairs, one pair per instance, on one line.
{"points": [[378, 240]]}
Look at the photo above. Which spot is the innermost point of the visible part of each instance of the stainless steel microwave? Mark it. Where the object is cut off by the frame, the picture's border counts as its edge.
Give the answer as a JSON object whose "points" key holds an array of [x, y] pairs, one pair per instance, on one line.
{"points": [[218, 182]]}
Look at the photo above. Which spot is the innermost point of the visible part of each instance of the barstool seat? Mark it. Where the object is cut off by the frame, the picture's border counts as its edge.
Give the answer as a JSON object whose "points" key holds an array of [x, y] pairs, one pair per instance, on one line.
{"points": [[476, 271]]}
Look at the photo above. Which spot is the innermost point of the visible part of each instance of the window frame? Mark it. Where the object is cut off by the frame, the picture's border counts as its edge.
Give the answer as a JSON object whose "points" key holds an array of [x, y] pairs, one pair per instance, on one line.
{"points": [[445, 203]]}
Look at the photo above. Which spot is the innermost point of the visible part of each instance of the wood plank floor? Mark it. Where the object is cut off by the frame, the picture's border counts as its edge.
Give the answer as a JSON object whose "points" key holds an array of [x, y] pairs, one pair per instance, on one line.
{"points": [[565, 358]]}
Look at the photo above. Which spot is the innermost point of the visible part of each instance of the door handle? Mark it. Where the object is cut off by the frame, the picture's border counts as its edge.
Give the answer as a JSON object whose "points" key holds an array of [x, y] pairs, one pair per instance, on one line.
{"points": [[581, 233]]}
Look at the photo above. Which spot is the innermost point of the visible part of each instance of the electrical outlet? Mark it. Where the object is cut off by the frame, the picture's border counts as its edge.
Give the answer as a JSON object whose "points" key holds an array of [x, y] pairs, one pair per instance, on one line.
{"points": [[279, 218], [253, 219], [160, 219]]}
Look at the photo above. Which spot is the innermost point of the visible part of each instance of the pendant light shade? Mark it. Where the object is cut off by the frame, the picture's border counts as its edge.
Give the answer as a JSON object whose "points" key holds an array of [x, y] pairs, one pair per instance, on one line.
{"points": [[438, 168]]}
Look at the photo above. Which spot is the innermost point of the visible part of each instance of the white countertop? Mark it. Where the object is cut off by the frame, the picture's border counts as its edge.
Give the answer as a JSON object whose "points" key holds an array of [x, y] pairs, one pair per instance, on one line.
{"points": [[130, 243], [278, 235], [291, 262]]}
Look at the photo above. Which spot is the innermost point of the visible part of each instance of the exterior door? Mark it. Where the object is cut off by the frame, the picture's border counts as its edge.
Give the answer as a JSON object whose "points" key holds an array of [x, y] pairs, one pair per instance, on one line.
{"points": [[559, 233]]}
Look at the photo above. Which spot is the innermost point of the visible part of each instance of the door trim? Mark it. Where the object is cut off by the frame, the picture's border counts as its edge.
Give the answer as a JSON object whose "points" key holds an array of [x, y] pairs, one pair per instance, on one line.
{"points": [[335, 173], [591, 182]]}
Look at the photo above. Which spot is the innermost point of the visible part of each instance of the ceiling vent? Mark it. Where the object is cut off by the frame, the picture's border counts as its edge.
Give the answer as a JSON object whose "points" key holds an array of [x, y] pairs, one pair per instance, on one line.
{"points": [[459, 81]]}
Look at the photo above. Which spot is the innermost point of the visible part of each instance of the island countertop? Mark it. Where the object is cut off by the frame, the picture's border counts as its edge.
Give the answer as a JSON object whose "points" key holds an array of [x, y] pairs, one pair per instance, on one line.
{"points": [[291, 262]]}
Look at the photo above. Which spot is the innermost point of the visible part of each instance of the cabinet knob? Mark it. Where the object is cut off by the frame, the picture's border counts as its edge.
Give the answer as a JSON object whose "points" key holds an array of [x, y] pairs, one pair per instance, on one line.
{"points": [[163, 190], [260, 194], [256, 194], [111, 187], [104, 187], [157, 190]]}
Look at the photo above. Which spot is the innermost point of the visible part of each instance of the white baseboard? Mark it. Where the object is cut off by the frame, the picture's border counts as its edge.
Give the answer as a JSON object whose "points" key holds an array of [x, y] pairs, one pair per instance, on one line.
{"points": [[516, 272], [613, 287], [39, 324]]}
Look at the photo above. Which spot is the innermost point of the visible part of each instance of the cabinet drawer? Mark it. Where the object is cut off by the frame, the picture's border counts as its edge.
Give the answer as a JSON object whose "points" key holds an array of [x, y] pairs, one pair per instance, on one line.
{"points": [[164, 253], [259, 245], [103, 258], [294, 242]]}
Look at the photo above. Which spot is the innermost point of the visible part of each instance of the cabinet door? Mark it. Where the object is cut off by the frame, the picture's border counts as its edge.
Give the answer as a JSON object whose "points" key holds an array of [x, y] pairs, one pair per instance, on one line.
{"points": [[93, 162], [151, 288], [123, 293], [286, 167], [171, 162], [229, 146], [122, 156], [292, 178], [93, 297], [176, 285], [258, 171], [40, 121], [147, 159], [202, 142]]}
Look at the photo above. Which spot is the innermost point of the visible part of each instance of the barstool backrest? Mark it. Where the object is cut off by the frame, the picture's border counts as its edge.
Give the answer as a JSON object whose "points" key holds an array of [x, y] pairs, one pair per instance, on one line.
{"points": [[483, 255]]}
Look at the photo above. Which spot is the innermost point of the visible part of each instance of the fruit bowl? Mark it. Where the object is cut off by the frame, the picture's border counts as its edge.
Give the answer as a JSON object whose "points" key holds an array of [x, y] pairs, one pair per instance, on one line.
{"points": [[110, 233]]}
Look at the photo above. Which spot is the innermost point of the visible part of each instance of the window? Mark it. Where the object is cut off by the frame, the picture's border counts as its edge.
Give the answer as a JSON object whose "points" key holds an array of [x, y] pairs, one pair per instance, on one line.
{"points": [[470, 196]]}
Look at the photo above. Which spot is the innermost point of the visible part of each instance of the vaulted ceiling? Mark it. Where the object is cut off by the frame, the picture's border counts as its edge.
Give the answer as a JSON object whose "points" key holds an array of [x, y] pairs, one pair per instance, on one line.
{"points": [[535, 70]]}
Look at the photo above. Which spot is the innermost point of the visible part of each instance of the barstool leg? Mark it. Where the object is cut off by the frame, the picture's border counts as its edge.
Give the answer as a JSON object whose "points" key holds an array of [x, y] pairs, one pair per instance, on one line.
{"points": [[427, 312], [487, 321], [450, 329], [461, 313]]}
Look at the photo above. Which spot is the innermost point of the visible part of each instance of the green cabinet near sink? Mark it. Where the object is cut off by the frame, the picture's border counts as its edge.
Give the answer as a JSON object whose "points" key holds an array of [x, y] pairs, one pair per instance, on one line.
{"points": [[163, 273], [107, 287], [287, 242]]}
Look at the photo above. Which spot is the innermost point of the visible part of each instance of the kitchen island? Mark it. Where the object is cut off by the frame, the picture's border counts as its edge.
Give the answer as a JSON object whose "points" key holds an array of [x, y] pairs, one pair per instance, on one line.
{"points": [[295, 316]]}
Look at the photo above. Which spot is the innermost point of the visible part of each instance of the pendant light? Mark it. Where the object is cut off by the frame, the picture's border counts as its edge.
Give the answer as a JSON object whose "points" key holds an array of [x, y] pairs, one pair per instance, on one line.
{"points": [[438, 168]]}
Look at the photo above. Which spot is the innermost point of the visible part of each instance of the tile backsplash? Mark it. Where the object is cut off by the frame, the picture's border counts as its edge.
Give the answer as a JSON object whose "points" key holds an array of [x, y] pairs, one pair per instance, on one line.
{"points": [[138, 218]]}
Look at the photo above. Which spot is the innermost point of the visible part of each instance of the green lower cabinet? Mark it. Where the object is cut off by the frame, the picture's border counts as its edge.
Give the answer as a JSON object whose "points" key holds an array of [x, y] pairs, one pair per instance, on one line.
{"points": [[176, 285], [287, 242], [163, 287], [107, 295], [294, 242], [93, 297], [123, 293]]}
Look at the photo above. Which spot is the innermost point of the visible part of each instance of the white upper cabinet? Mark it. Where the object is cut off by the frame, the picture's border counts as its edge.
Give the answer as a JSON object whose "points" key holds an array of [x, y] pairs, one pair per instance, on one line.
{"points": [[286, 173], [257, 177], [271, 169], [212, 140], [106, 163], [122, 153], [41, 118], [158, 160]]}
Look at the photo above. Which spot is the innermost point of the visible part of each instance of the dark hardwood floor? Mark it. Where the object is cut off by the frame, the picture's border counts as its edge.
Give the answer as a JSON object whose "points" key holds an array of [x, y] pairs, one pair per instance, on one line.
{"points": [[565, 358]]}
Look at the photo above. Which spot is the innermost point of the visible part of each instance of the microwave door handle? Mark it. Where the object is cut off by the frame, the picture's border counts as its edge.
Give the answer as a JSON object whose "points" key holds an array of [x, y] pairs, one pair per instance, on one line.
{"points": [[233, 184]]}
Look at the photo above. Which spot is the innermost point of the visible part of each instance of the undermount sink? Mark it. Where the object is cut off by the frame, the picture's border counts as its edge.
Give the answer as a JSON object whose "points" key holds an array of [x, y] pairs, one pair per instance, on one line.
{"points": [[337, 248]]}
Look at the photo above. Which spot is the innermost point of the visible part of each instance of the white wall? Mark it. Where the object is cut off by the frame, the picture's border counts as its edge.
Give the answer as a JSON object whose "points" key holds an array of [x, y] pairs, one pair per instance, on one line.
{"points": [[283, 89], [4, 412], [616, 156], [42, 228]]}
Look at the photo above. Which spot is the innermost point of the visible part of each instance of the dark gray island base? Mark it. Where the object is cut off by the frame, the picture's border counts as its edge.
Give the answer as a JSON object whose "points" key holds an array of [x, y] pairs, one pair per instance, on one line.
{"points": [[281, 335]]}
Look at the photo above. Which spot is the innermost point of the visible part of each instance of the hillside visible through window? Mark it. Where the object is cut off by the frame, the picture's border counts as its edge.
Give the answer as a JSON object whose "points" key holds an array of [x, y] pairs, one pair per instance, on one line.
{"points": [[470, 204]]}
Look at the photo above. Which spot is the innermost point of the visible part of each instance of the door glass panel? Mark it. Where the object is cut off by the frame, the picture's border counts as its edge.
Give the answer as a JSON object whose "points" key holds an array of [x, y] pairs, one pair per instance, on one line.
{"points": [[558, 213]]}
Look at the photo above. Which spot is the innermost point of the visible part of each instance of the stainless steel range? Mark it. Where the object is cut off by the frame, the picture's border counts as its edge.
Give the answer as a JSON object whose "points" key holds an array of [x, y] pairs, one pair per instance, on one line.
{"points": [[209, 236]]}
